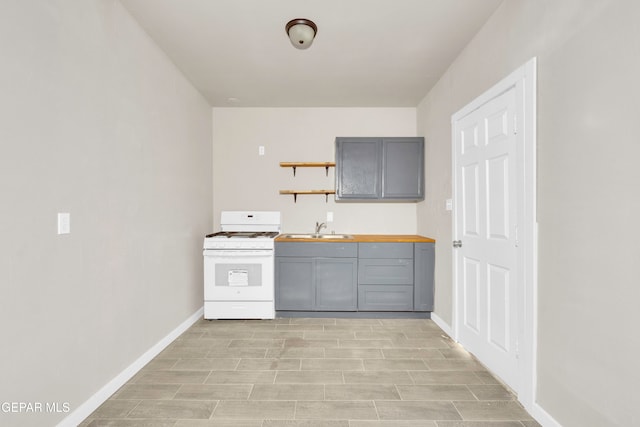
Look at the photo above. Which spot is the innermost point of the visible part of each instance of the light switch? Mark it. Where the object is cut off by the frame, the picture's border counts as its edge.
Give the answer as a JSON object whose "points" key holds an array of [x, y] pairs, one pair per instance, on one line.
{"points": [[261, 150], [448, 205], [64, 223]]}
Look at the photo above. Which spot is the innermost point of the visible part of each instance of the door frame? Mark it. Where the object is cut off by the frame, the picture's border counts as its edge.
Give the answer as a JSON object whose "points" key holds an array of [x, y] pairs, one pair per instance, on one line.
{"points": [[524, 80]]}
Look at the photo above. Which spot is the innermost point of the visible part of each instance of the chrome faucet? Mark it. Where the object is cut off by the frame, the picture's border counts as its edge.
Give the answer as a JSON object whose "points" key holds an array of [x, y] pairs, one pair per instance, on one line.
{"points": [[320, 226]]}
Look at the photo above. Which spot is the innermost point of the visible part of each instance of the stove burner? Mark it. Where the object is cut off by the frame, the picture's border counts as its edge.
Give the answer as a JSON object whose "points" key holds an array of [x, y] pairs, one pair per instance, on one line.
{"points": [[245, 234]]}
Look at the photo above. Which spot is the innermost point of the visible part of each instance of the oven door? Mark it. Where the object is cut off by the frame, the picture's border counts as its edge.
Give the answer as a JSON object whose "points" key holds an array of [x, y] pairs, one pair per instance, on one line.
{"points": [[238, 275]]}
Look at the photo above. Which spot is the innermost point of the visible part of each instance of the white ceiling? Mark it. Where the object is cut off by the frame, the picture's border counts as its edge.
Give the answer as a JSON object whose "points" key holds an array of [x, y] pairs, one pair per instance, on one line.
{"points": [[367, 53]]}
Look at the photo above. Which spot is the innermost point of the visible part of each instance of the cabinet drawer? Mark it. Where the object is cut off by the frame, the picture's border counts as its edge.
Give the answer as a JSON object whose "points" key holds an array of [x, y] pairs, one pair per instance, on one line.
{"points": [[385, 298], [317, 249], [395, 271], [385, 250]]}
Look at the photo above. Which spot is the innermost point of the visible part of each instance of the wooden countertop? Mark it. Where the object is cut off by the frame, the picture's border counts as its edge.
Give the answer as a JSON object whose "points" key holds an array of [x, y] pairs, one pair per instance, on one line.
{"points": [[365, 238]]}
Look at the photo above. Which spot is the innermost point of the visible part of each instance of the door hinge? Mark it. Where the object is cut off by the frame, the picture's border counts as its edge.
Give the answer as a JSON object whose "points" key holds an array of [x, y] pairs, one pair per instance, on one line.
{"points": [[517, 237], [515, 125], [457, 243], [517, 349]]}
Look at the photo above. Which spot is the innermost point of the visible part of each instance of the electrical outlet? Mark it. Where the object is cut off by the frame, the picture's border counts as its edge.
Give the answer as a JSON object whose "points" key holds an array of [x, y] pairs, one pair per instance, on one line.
{"points": [[64, 223], [329, 216], [261, 150]]}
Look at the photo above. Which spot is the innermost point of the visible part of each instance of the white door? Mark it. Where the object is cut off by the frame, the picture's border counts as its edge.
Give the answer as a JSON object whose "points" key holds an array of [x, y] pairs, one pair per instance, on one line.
{"points": [[486, 186]]}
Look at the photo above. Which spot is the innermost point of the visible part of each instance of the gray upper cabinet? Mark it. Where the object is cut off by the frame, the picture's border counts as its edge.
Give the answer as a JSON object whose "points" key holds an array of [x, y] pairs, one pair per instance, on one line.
{"points": [[380, 169]]}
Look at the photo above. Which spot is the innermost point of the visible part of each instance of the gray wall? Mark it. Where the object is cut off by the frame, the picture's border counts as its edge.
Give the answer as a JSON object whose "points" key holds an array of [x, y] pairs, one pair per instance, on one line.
{"points": [[95, 121], [588, 199]]}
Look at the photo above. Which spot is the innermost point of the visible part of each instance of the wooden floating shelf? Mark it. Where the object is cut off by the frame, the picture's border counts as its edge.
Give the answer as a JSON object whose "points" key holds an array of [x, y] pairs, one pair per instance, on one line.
{"points": [[296, 192], [294, 165]]}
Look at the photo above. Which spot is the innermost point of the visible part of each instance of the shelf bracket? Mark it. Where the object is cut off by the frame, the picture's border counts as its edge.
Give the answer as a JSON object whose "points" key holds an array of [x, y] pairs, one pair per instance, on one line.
{"points": [[294, 170], [326, 170]]}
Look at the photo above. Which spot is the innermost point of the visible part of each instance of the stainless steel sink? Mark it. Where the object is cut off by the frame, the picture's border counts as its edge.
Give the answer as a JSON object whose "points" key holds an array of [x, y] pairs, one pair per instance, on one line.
{"points": [[333, 236], [317, 236]]}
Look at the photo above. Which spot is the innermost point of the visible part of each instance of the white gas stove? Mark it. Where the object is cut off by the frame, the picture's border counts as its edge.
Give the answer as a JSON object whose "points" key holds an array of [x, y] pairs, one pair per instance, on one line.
{"points": [[239, 264]]}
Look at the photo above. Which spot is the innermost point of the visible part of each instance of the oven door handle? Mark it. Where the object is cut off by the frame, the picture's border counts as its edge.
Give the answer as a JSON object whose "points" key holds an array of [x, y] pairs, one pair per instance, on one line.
{"points": [[235, 254]]}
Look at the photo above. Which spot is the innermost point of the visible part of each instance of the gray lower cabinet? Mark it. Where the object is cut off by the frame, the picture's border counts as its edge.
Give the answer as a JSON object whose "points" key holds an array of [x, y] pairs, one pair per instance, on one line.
{"points": [[316, 276], [323, 276]]}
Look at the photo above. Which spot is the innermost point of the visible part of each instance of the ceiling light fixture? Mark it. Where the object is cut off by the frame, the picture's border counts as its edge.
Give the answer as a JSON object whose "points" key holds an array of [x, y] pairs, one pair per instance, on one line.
{"points": [[301, 32]]}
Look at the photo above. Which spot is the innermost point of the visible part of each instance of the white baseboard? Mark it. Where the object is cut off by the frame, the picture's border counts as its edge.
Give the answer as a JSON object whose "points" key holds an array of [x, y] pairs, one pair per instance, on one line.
{"points": [[85, 409], [543, 417], [536, 411], [442, 324]]}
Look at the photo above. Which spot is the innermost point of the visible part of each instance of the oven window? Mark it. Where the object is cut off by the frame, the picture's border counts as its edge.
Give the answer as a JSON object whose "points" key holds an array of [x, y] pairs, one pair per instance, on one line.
{"points": [[238, 274]]}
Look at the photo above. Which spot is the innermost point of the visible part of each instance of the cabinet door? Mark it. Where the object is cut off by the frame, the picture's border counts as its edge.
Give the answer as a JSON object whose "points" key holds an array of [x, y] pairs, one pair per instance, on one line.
{"points": [[424, 261], [403, 168], [294, 277], [358, 168], [336, 284]]}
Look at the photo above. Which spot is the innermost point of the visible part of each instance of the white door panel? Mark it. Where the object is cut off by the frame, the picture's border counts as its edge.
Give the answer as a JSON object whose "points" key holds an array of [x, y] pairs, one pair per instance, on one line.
{"points": [[498, 198], [497, 125], [499, 323], [470, 211], [469, 138], [471, 272]]}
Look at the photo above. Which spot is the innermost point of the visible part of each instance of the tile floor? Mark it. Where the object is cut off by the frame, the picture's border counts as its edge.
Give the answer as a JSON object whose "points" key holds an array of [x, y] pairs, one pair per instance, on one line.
{"points": [[313, 373]]}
